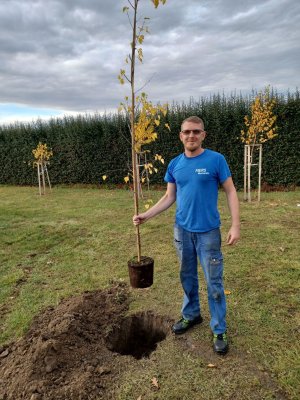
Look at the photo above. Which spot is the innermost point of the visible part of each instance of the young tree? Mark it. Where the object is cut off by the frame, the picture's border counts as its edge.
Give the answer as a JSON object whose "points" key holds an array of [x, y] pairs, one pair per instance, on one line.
{"points": [[42, 155], [143, 115], [260, 128]]}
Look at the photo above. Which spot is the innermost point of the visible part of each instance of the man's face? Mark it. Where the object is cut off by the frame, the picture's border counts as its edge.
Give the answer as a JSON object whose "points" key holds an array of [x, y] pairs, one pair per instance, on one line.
{"points": [[192, 135]]}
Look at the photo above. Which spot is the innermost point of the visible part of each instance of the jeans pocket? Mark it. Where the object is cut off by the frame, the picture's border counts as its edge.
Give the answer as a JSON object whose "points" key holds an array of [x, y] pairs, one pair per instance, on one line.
{"points": [[216, 267]]}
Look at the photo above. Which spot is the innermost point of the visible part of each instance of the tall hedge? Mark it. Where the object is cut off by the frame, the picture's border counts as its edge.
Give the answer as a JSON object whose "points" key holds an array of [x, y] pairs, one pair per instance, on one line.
{"points": [[89, 146]]}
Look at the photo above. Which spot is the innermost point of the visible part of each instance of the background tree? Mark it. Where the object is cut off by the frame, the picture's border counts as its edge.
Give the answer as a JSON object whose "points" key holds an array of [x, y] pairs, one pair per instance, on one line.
{"points": [[42, 155], [260, 128]]}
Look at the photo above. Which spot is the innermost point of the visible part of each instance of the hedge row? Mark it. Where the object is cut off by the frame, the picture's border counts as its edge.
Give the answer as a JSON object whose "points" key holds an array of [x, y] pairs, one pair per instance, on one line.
{"points": [[89, 146]]}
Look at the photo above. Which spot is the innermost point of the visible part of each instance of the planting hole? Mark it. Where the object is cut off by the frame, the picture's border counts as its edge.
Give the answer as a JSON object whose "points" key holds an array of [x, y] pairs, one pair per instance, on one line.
{"points": [[138, 335]]}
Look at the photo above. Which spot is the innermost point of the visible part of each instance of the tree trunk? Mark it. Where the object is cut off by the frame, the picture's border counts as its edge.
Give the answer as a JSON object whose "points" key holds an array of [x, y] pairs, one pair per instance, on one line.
{"points": [[135, 171]]}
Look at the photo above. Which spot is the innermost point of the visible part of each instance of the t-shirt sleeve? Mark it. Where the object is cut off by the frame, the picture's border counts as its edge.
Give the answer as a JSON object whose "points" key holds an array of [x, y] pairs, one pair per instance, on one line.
{"points": [[224, 171], [169, 178]]}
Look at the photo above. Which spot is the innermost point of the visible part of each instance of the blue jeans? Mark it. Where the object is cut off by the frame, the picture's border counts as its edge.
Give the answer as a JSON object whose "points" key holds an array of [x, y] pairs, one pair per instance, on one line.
{"points": [[207, 247]]}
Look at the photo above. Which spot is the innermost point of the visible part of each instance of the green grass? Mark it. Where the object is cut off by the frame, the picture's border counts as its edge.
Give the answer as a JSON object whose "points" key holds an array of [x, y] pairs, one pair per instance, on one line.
{"points": [[78, 239]]}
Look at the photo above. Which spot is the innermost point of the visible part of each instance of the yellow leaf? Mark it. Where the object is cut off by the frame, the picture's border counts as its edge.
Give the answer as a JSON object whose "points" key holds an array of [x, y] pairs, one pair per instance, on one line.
{"points": [[154, 382], [126, 179], [227, 291], [140, 55], [104, 177], [168, 126], [212, 366], [141, 39], [121, 80], [147, 206]]}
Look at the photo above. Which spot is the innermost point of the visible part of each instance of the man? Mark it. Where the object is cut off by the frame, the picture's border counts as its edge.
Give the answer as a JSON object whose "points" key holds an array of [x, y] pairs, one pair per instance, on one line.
{"points": [[192, 180]]}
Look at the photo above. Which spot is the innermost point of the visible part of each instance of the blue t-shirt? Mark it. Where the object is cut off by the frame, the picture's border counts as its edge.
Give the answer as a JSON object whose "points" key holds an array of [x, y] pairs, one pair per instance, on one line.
{"points": [[197, 182]]}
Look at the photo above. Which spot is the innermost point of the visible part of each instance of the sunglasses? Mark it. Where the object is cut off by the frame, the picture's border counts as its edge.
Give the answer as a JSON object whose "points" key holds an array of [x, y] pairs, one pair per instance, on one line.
{"points": [[194, 131]]}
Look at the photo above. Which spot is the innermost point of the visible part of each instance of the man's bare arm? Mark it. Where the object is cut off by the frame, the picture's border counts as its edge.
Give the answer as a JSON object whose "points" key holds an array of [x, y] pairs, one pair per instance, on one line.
{"points": [[163, 204], [234, 208]]}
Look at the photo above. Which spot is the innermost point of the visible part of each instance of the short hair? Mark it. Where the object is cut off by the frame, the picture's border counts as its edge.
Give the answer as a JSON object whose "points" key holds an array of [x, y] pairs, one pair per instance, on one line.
{"points": [[194, 119]]}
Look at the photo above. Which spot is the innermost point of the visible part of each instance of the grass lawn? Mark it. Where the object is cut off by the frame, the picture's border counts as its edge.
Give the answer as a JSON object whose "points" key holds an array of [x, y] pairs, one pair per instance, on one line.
{"points": [[78, 239]]}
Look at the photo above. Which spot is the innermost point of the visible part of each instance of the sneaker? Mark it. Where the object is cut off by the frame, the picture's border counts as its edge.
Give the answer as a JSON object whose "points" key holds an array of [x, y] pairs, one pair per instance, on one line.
{"points": [[184, 324], [220, 343]]}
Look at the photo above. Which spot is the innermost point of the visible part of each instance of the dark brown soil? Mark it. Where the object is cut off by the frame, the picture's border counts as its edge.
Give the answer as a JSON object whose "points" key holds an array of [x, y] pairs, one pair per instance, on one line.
{"points": [[144, 261], [76, 350], [72, 351]]}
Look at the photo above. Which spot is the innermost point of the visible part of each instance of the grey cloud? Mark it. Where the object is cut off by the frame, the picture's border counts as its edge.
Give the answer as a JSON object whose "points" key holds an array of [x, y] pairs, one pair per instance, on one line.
{"points": [[66, 54]]}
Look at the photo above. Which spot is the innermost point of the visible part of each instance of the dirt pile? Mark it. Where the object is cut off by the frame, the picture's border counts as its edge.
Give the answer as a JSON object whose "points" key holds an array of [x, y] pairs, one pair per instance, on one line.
{"points": [[64, 355]]}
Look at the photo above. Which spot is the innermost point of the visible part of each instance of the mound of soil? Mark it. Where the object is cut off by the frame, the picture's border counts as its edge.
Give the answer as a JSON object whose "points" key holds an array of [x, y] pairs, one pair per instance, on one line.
{"points": [[65, 355], [79, 350]]}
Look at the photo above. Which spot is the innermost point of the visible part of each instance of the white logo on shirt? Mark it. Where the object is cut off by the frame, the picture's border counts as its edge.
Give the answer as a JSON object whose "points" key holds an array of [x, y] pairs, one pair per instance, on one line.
{"points": [[201, 171]]}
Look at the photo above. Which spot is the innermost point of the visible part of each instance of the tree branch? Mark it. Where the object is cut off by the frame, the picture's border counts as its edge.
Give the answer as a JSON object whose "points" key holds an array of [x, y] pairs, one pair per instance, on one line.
{"points": [[149, 80]]}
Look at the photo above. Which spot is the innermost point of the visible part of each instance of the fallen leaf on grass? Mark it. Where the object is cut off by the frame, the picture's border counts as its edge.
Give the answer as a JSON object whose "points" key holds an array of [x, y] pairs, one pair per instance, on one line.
{"points": [[227, 291], [139, 398], [212, 366], [154, 382], [281, 249], [103, 370]]}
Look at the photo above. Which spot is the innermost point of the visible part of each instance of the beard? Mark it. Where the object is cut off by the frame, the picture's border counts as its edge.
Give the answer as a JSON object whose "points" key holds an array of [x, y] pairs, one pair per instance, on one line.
{"points": [[192, 146]]}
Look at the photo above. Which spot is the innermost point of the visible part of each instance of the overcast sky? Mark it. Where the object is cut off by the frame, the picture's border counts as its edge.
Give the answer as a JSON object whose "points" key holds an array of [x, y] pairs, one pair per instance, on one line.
{"points": [[63, 56]]}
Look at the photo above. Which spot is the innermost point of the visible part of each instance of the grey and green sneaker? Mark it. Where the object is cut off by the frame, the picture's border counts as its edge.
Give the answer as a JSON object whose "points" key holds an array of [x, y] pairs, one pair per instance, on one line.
{"points": [[220, 343], [184, 324]]}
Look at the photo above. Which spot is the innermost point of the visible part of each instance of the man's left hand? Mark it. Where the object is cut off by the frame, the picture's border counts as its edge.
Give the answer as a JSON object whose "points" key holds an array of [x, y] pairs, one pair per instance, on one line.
{"points": [[233, 235]]}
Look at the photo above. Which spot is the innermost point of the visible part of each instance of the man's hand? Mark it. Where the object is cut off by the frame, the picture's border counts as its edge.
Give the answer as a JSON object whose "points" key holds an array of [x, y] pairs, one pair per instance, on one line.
{"points": [[233, 235], [165, 202], [139, 219]]}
